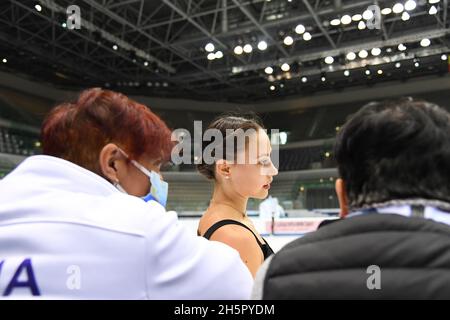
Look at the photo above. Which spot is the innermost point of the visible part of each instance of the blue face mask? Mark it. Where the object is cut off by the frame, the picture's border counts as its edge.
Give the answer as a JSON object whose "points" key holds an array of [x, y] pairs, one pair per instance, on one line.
{"points": [[159, 189]]}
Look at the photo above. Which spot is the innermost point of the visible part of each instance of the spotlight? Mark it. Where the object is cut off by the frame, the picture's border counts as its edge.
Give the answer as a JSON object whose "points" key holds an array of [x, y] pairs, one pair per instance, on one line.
{"points": [[268, 70], [375, 51], [346, 19], [397, 8], [329, 60], [351, 56], [219, 55], [300, 29], [209, 47], [367, 72], [356, 17], [361, 25], [5, 60], [307, 36], [433, 10], [416, 64], [443, 57], [288, 41], [433, 1], [262, 45], [346, 73], [425, 42], [211, 56], [38, 8], [363, 54], [405, 16], [398, 65], [304, 79], [115, 47], [248, 48], [367, 15], [285, 67], [323, 79], [401, 47], [335, 22], [238, 50], [410, 5], [380, 72], [146, 63], [386, 11]]}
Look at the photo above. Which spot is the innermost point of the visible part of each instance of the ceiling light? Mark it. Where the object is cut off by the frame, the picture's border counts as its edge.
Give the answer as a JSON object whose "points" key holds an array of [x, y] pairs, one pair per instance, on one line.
{"points": [[375, 51], [361, 25], [209, 47], [356, 17], [368, 72], [443, 57], [248, 48], [433, 10], [416, 64], [401, 47], [335, 22], [262, 45], [268, 70], [38, 8], [304, 79], [363, 54], [351, 56], [115, 47], [238, 50], [211, 56], [219, 55], [4, 60], [346, 19], [386, 11], [405, 16], [285, 67], [288, 41], [380, 72], [272, 88], [307, 36], [398, 65], [410, 5], [300, 29], [368, 14], [346, 73], [329, 60], [425, 42], [323, 79], [397, 8]]}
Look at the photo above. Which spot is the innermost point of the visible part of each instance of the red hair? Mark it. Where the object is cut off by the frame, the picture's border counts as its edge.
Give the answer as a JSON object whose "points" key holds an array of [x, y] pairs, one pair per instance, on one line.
{"points": [[78, 131]]}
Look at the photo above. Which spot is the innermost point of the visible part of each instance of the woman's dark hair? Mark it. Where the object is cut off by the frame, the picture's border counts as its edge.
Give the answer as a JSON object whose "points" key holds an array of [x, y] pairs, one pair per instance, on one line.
{"points": [[395, 150], [223, 123]]}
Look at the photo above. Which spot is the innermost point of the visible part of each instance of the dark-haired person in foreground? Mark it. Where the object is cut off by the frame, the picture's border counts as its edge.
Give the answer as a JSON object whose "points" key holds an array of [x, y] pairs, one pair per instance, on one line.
{"points": [[394, 239]]}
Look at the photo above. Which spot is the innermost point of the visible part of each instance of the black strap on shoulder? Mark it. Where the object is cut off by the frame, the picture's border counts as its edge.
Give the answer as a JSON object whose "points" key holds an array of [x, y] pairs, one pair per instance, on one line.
{"points": [[417, 211], [222, 223]]}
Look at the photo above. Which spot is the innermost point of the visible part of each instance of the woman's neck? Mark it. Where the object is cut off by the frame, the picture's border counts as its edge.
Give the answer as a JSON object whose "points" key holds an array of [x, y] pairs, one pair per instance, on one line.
{"points": [[229, 198]]}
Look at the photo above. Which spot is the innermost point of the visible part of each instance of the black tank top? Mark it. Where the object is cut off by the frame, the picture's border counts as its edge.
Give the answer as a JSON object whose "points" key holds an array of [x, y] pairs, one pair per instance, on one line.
{"points": [[265, 248]]}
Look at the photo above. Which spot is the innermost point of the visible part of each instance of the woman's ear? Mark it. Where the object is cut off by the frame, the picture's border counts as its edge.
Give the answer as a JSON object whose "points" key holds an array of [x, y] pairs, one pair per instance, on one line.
{"points": [[222, 169], [109, 156], [342, 197]]}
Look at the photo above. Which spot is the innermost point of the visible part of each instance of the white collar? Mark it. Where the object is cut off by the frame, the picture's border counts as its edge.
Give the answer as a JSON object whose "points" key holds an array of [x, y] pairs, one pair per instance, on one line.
{"points": [[60, 173], [430, 212]]}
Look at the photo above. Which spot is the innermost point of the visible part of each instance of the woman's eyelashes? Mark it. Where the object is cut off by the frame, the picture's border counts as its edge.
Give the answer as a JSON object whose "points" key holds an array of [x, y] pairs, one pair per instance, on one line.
{"points": [[265, 161]]}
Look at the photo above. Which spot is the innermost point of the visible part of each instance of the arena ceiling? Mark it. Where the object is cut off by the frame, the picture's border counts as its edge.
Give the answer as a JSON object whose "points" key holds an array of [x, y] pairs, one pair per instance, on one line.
{"points": [[224, 50]]}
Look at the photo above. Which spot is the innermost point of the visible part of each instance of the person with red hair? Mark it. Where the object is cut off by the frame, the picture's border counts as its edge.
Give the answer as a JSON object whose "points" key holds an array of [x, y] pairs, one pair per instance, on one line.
{"points": [[87, 220]]}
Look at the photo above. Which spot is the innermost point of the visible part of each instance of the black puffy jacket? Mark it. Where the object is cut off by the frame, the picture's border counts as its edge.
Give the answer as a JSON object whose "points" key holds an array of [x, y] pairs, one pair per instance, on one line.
{"points": [[413, 255]]}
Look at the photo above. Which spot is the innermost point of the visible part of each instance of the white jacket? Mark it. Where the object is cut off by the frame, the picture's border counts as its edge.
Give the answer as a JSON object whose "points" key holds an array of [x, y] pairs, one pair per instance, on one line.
{"points": [[66, 233]]}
